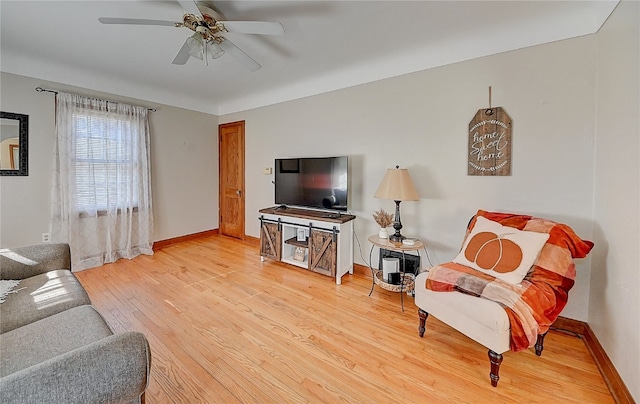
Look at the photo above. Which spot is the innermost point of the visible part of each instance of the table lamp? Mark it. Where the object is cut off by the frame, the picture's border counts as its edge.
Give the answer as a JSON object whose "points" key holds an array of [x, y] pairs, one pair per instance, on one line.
{"points": [[397, 185]]}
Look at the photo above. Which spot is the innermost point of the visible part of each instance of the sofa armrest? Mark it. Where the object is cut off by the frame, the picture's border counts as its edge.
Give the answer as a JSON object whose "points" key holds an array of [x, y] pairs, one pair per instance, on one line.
{"points": [[113, 369], [25, 262]]}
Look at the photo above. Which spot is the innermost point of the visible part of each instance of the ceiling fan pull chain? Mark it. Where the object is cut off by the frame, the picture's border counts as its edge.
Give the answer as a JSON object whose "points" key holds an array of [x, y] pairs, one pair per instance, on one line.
{"points": [[205, 43]]}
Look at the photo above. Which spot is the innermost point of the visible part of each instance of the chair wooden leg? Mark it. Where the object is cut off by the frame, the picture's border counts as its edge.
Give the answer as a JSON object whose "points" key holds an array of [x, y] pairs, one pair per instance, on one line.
{"points": [[423, 320], [539, 344], [496, 360]]}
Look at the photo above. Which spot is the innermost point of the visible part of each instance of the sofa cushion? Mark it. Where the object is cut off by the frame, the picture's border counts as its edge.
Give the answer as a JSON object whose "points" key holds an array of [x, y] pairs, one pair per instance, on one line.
{"points": [[52, 336], [114, 369], [41, 296], [25, 262]]}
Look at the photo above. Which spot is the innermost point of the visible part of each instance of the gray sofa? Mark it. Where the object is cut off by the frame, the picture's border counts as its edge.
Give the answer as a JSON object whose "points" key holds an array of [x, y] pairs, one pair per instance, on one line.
{"points": [[54, 346]]}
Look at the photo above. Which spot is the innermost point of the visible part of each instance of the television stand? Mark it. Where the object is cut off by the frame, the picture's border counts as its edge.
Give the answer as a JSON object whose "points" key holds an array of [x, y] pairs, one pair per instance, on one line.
{"points": [[319, 241]]}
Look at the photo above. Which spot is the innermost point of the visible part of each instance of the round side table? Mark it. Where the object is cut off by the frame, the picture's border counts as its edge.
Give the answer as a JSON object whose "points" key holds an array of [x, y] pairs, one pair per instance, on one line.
{"points": [[407, 282]]}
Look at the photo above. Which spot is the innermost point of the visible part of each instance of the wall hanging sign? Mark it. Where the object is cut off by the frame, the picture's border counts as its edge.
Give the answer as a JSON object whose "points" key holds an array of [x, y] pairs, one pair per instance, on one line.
{"points": [[490, 143]]}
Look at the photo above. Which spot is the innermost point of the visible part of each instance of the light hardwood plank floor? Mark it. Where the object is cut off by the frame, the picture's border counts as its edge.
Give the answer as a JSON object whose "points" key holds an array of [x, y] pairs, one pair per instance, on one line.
{"points": [[225, 327]]}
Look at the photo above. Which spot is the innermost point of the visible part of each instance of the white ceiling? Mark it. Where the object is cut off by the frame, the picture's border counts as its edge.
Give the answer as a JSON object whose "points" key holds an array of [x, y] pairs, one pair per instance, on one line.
{"points": [[327, 45]]}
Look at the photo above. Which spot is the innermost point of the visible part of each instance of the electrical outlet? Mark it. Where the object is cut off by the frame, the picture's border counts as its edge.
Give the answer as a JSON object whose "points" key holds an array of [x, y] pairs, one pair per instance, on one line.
{"points": [[46, 237]]}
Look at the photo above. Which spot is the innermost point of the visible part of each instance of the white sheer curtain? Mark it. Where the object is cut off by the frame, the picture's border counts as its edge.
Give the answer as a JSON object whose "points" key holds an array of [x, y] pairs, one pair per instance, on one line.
{"points": [[102, 185]]}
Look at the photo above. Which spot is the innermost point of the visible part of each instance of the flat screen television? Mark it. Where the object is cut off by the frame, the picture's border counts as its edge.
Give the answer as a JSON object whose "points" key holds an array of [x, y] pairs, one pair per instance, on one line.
{"points": [[312, 182]]}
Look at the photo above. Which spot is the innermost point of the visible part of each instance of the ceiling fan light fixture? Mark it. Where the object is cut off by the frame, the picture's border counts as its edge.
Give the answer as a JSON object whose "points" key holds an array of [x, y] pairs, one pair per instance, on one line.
{"points": [[196, 53], [196, 44], [214, 50], [195, 41]]}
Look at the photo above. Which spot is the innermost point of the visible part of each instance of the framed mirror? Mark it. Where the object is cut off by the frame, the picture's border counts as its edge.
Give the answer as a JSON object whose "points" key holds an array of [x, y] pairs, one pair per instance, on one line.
{"points": [[14, 140]]}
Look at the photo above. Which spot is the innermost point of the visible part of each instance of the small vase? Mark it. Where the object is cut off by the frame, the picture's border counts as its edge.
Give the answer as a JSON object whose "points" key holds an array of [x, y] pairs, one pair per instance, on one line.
{"points": [[382, 233]]}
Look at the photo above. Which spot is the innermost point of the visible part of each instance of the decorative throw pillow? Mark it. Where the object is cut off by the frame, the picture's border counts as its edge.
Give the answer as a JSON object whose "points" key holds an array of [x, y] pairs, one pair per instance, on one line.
{"points": [[503, 252]]}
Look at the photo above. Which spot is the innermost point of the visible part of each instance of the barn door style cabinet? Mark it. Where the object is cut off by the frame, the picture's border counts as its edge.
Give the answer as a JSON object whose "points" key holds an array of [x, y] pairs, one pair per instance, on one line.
{"points": [[318, 241]]}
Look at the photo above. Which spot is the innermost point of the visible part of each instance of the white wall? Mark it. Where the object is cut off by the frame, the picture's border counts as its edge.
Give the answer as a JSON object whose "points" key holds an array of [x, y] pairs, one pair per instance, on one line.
{"points": [[184, 167], [420, 121], [614, 307], [574, 106]]}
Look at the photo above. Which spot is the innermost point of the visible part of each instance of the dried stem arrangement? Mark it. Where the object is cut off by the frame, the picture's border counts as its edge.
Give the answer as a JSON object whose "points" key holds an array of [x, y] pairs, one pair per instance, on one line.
{"points": [[383, 218]]}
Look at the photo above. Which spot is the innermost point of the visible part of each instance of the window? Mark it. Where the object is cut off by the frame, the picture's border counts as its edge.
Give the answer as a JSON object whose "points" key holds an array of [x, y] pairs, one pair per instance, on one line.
{"points": [[105, 163], [101, 202]]}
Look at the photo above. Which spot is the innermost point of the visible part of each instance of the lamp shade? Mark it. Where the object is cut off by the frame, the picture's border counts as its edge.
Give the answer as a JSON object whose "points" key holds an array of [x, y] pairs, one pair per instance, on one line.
{"points": [[397, 185]]}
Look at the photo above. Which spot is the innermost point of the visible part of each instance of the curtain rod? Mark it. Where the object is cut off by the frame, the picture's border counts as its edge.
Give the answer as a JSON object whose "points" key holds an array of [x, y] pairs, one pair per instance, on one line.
{"points": [[45, 90]]}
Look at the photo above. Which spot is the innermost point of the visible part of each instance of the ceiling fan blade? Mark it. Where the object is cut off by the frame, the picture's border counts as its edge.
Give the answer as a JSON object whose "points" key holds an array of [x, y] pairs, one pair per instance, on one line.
{"points": [[182, 56], [136, 21], [254, 27], [190, 7], [239, 55]]}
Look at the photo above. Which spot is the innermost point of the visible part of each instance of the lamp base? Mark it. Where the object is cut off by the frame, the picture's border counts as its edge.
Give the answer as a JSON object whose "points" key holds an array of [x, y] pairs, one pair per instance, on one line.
{"points": [[397, 225]]}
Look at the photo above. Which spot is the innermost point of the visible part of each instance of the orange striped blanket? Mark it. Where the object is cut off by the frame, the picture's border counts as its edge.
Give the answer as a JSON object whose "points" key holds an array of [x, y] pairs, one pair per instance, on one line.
{"points": [[535, 303]]}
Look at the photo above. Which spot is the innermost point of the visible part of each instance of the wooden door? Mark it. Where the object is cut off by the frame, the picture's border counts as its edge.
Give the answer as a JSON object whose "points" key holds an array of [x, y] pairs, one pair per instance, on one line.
{"points": [[231, 172], [322, 252]]}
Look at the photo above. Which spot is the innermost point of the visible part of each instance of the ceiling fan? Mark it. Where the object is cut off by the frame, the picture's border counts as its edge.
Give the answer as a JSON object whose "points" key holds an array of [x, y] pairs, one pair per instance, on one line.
{"points": [[208, 39]]}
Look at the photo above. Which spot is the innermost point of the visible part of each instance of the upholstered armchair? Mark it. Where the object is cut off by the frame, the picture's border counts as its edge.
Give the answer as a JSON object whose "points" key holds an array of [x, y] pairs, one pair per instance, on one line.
{"points": [[507, 285]]}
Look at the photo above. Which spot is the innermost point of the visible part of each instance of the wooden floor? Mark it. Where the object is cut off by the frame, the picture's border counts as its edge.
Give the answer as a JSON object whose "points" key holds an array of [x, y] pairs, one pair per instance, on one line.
{"points": [[225, 327]]}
